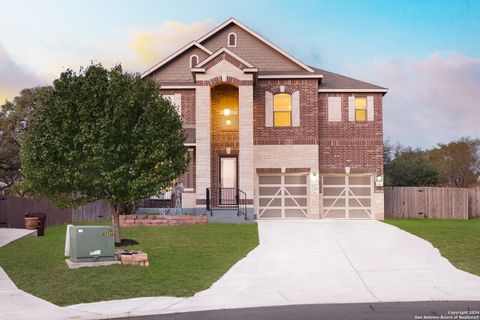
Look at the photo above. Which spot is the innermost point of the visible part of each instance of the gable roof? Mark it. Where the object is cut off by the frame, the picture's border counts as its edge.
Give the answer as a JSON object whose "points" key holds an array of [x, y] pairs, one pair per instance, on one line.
{"points": [[174, 55], [256, 35], [200, 67], [334, 82]]}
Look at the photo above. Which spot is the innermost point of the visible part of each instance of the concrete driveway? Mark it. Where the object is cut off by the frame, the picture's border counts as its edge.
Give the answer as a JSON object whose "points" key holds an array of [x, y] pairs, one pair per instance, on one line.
{"points": [[321, 261]]}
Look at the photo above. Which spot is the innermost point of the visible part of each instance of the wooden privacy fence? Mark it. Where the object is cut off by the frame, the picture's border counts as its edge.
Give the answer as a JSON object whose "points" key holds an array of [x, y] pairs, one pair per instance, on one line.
{"points": [[474, 202], [431, 202], [12, 210]]}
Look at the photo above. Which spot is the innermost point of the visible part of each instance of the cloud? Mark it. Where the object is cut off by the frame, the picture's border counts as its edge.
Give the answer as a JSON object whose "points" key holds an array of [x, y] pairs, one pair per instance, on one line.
{"points": [[433, 100], [13, 77], [135, 49], [154, 44]]}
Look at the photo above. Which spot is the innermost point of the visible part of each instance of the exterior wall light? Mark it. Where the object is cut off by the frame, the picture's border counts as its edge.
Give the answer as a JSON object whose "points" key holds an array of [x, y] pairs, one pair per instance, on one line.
{"points": [[347, 170], [378, 180]]}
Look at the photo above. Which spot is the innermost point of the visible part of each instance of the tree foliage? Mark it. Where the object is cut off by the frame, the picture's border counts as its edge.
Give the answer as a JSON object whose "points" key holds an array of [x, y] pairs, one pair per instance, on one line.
{"points": [[14, 120], [457, 162], [409, 167], [103, 135]]}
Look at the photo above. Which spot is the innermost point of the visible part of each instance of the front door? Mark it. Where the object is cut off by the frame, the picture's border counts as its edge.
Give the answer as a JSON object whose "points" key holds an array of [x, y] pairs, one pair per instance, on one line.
{"points": [[228, 180]]}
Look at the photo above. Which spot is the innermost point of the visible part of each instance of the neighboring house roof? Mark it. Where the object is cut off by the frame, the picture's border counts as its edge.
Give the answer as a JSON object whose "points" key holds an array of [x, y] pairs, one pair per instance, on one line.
{"points": [[174, 55], [334, 82], [256, 35]]}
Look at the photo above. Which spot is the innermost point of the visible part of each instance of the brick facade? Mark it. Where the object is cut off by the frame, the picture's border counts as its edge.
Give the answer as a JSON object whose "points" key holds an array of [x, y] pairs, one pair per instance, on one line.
{"points": [[356, 145], [306, 133], [313, 148]]}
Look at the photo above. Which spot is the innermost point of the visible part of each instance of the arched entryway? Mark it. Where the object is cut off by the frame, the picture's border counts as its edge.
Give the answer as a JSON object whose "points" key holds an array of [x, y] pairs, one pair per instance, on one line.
{"points": [[224, 130]]}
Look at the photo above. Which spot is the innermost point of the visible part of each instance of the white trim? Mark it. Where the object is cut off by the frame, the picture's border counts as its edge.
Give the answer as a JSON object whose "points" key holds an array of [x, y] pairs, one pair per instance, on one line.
{"points": [[290, 76], [174, 55], [228, 40], [225, 50], [191, 57], [198, 70], [177, 87], [352, 90], [190, 144], [256, 35]]}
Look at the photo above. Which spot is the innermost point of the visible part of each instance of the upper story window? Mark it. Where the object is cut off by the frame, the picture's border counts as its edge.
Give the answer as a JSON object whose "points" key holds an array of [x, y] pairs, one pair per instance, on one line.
{"points": [[176, 100], [360, 109], [232, 39], [282, 110], [193, 60], [228, 113]]}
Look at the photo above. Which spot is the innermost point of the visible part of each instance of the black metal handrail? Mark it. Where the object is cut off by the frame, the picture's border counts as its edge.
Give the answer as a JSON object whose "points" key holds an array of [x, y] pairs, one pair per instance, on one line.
{"points": [[226, 199]]}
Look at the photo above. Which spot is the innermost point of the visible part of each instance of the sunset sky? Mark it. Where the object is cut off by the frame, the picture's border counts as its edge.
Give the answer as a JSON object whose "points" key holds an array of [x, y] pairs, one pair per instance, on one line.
{"points": [[426, 52]]}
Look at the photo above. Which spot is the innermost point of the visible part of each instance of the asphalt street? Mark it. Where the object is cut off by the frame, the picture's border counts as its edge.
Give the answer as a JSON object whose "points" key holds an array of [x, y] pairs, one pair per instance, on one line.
{"points": [[356, 311]]}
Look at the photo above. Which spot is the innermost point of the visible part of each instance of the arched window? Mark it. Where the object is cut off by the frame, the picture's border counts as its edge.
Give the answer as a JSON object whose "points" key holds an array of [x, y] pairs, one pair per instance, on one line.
{"points": [[282, 110], [193, 60], [232, 39]]}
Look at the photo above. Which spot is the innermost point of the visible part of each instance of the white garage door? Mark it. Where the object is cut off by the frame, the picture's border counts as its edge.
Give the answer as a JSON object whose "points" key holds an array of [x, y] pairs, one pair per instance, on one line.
{"points": [[347, 197], [282, 196]]}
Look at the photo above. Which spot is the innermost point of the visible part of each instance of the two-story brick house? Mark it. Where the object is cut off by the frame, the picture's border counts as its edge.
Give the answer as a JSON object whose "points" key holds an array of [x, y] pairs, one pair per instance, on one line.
{"points": [[294, 140]]}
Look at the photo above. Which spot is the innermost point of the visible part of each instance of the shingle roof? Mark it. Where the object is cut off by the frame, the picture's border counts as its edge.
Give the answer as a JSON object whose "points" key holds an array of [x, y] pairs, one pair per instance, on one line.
{"points": [[335, 81]]}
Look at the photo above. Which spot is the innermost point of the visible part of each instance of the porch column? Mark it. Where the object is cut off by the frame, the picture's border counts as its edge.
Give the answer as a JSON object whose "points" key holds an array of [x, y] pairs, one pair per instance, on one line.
{"points": [[245, 157], [202, 133]]}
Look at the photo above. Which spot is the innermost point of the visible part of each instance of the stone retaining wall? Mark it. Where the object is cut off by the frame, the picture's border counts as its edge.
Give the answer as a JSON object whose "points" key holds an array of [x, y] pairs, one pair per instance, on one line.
{"points": [[160, 220]]}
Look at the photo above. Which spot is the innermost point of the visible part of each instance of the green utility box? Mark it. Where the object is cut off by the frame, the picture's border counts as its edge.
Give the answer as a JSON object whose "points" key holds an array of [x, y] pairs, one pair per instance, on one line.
{"points": [[91, 243]]}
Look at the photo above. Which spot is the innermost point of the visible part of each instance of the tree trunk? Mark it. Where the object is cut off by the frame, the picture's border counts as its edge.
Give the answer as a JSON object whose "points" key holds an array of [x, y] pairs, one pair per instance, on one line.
{"points": [[116, 222]]}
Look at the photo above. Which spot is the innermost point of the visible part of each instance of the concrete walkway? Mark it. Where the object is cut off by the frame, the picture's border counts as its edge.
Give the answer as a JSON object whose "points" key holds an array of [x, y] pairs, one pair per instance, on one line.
{"points": [[8, 235], [16, 304], [309, 262]]}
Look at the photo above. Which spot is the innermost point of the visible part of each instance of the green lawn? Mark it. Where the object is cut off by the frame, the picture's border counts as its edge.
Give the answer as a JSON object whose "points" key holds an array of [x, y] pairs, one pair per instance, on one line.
{"points": [[457, 240], [183, 260]]}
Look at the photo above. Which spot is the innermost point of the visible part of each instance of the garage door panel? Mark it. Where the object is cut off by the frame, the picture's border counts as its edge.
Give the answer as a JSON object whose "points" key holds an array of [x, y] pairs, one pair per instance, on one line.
{"points": [[335, 202], [283, 196], [294, 213], [328, 191], [332, 181], [296, 180], [359, 202], [335, 214], [359, 214], [289, 202], [359, 181], [296, 191], [360, 191], [271, 213], [347, 196], [269, 180], [268, 191], [263, 202]]}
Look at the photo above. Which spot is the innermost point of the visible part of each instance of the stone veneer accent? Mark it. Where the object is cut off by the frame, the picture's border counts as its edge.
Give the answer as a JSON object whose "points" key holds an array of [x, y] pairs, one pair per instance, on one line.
{"points": [[132, 220], [245, 158], [202, 142]]}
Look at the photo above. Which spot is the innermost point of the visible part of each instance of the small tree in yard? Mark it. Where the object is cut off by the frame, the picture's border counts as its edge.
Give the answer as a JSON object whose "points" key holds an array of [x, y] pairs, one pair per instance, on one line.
{"points": [[102, 135]]}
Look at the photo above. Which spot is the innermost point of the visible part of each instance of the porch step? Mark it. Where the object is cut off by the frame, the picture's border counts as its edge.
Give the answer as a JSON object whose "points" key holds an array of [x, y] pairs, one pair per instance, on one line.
{"points": [[229, 216]]}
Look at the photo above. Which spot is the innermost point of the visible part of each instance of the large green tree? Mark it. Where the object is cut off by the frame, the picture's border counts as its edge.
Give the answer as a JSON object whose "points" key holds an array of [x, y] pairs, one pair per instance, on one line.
{"points": [[458, 162], [14, 120], [409, 168], [102, 135]]}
